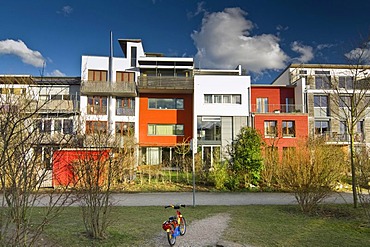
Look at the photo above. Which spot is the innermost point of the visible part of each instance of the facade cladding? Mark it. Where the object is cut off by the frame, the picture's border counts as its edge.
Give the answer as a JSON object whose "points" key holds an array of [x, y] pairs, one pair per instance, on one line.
{"points": [[162, 102]]}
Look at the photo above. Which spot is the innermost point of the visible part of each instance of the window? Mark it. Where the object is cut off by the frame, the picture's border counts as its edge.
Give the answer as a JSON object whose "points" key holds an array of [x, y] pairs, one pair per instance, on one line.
{"points": [[321, 127], [289, 105], [222, 99], [262, 105], [58, 125], [226, 99], [67, 126], [95, 127], [270, 128], [209, 128], [125, 129], [288, 128], [166, 103], [97, 105], [322, 79], [133, 56], [345, 101], [97, 75], [208, 98], [236, 99], [345, 82], [125, 76], [320, 100], [165, 129], [125, 106]]}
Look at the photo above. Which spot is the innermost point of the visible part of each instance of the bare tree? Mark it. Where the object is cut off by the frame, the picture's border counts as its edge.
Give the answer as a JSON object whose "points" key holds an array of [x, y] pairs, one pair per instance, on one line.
{"points": [[22, 167], [104, 163], [349, 93]]}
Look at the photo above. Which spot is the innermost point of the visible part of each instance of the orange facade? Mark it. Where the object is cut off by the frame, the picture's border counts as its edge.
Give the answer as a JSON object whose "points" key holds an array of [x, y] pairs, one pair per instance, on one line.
{"points": [[150, 117]]}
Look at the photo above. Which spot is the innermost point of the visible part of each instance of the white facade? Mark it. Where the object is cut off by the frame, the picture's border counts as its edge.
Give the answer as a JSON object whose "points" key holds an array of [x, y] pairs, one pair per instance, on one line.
{"points": [[112, 65], [221, 109]]}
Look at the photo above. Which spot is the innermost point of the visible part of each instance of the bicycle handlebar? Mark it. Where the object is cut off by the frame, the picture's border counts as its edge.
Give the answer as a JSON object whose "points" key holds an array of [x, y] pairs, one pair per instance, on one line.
{"points": [[175, 206]]}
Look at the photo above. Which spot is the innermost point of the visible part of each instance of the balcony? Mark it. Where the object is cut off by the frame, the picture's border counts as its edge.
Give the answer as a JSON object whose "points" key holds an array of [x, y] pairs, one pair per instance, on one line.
{"points": [[277, 108], [168, 84], [55, 106], [125, 112], [119, 88], [340, 137]]}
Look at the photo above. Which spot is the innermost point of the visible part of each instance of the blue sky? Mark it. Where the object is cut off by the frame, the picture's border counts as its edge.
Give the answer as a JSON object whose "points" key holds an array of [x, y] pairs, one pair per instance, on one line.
{"points": [[49, 36]]}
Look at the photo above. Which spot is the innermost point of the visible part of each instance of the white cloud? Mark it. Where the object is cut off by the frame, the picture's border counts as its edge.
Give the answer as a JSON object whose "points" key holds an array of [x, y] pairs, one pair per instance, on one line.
{"points": [[200, 9], [305, 51], [20, 49], [56, 73], [66, 10], [225, 41], [360, 55]]}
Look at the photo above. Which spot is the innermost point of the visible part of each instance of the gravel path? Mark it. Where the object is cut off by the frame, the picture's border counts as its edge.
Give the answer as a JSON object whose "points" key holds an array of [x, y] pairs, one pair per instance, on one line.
{"points": [[205, 232]]}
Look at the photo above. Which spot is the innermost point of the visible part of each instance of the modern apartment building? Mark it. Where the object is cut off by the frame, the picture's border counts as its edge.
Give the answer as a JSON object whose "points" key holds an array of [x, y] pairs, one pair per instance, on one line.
{"points": [[325, 92], [51, 108], [221, 109], [163, 101]]}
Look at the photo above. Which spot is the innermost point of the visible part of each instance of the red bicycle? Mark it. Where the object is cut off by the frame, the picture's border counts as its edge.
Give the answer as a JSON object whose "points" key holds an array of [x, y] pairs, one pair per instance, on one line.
{"points": [[175, 225]]}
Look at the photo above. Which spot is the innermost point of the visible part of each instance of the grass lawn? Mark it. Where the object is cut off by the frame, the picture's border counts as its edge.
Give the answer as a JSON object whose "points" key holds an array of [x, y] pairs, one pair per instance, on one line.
{"points": [[333, 225]]}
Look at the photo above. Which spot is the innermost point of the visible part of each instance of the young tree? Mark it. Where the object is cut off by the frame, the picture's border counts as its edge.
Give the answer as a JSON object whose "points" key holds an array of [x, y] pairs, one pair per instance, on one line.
{"points": [[311, 171], [97, 170], [246, 156]]}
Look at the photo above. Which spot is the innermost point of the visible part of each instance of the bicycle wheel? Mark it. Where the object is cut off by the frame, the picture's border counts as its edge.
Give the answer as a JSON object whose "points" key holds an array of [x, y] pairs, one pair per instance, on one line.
{"points": [[182, 226], [171, 239]]}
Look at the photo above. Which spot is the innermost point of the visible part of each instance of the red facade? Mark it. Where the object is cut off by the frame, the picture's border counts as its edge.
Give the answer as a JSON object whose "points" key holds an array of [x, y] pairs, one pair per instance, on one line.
{"points": [[276, 116]]}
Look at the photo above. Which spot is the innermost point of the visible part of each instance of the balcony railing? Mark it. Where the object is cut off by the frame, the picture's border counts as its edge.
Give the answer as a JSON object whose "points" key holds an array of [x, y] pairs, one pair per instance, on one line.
{"points": [[55, 106], [166, 82], [108, 88], [340, 137], [277, 108], [125, 112]]}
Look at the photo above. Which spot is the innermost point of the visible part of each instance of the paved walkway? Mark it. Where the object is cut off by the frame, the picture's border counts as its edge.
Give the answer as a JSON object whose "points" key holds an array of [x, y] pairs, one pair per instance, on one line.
{"points": [[209, 198]]}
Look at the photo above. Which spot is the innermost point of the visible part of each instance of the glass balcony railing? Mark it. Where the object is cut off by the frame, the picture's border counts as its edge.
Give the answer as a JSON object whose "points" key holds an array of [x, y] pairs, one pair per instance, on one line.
{"points": [[277, 108]]}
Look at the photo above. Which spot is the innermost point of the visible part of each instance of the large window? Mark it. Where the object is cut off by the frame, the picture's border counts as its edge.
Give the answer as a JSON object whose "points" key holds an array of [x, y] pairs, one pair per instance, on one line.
{"points": [[64, 126], [95, 127], [125, 106], [97, 75], [162, 103], [166, 129], [322, 79], [262, 105], [321, 127], [97, 105], [223, 99], [125, 76], [320, 105], [270, 128], [288, 128], [345, 82], [209, 128]]}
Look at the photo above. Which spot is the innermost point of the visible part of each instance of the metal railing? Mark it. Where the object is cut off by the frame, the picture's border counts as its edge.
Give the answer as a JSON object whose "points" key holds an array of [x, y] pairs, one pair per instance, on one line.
{"points": [[165, 82]]}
